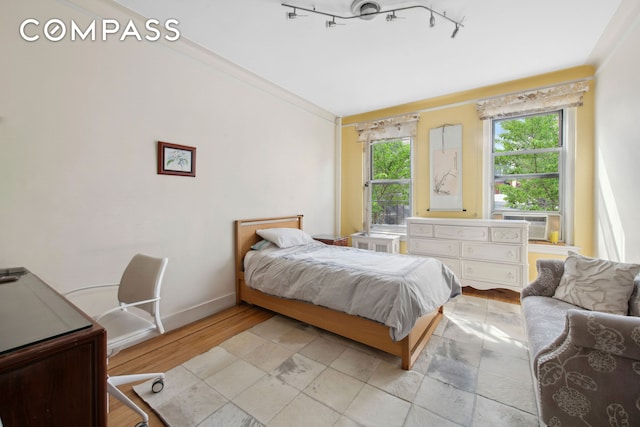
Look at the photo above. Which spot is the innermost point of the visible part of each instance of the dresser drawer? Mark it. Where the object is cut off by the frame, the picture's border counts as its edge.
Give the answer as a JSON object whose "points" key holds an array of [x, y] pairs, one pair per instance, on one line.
{"points": [[493, 252], [508, 235], [434, 247], [462, 232], [420, 230], [503, 274], [453, 264]]}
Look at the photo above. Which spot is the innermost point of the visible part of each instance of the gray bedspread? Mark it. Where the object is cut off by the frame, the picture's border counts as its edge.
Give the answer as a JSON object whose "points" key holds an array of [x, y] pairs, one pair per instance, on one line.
{"points": [[392, 289]]}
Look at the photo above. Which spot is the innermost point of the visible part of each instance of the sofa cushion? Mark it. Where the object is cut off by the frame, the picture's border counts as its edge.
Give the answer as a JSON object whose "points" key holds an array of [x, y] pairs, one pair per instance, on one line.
{"points": [[597, 284], [545, 320]]}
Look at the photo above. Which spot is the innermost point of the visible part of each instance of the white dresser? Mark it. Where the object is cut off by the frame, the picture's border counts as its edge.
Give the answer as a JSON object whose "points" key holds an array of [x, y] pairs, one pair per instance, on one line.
{"points": [[484, 254]]}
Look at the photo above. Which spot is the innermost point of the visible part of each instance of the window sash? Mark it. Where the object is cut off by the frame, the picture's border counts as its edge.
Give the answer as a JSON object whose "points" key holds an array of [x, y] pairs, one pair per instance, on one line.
{"points": [[528, 176], [391, 206], [370, 182]]}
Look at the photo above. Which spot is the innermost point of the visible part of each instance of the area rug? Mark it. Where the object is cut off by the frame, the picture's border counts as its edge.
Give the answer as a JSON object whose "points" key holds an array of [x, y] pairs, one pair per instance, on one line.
{"points": [[474, 371]]}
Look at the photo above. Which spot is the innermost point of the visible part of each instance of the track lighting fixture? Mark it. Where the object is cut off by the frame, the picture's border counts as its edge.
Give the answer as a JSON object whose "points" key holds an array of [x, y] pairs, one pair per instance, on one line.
{"points": [[369, 9], [365, 9]]}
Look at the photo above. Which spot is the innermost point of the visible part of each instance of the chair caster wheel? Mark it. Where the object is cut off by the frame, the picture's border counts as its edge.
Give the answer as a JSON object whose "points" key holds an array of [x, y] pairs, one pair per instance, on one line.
{"points": [[157, 387], [142, 424]]}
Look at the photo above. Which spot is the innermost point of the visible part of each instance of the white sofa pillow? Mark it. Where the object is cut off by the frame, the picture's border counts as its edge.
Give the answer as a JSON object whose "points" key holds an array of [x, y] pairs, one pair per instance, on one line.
{"points": [[597, 284]]}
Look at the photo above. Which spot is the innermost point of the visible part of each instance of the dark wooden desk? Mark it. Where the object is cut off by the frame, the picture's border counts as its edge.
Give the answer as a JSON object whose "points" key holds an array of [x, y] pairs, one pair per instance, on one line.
{"points": [[52, 358]]}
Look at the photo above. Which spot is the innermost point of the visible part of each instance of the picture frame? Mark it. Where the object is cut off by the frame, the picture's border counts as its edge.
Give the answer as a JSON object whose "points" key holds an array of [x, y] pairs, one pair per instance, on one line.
{"points": [[176, 159]]}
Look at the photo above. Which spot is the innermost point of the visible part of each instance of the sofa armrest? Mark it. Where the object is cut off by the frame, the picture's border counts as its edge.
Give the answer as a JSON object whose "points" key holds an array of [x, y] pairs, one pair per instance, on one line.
{"points": [[591, 378], [605, 332], [549, 273], [595, 330]]}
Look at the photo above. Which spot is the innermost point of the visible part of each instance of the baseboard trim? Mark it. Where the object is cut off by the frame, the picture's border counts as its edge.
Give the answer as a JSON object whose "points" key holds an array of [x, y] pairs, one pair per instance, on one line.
{"points": [[197, 312]]}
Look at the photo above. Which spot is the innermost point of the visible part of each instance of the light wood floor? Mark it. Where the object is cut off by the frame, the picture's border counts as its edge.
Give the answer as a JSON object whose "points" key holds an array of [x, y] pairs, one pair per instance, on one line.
{"points": [[172, 349], [176, 347]]}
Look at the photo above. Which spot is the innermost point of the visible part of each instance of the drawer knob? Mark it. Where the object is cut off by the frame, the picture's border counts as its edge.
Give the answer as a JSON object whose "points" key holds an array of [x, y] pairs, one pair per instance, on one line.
{"points": [[511, 254], [509, 275]]}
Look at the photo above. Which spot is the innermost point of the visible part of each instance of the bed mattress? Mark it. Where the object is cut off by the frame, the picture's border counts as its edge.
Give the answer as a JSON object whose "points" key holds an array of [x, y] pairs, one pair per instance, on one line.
{"points": [[393, 289]]}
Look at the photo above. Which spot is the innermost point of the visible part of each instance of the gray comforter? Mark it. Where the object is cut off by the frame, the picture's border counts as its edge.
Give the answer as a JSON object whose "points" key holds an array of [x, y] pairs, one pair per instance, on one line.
{"points": [[392, 289]]}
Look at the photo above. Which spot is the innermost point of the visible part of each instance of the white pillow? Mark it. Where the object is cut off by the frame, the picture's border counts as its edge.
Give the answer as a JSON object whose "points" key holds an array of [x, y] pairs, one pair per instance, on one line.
{"points": [[285, 237], [597, 284]]}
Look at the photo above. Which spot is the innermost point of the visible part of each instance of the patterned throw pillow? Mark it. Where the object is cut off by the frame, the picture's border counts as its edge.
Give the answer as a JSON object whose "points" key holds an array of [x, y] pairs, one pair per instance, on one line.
{"points": [[597, 284]]}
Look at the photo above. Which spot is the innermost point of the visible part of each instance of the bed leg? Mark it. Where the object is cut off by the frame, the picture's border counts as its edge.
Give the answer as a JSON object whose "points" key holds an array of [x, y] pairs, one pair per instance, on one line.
{"points": [[406, 355], [410, 353], [406, 363]]}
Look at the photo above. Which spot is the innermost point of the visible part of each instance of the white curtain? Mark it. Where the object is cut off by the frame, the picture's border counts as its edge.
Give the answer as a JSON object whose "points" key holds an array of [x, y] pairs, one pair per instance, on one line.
{"points": [[535, 101]]}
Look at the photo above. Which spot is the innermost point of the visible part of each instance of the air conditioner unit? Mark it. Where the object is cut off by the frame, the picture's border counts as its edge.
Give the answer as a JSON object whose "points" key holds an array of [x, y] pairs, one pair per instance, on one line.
{"points": [[538, 225]]}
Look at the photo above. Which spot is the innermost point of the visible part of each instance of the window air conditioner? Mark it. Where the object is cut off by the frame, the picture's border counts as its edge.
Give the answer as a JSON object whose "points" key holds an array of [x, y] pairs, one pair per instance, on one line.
{"points": [[538, 225]]}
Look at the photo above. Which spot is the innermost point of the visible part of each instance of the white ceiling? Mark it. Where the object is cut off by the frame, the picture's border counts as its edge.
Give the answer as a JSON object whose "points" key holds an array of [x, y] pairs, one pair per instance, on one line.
{"points": [[368, 65]]}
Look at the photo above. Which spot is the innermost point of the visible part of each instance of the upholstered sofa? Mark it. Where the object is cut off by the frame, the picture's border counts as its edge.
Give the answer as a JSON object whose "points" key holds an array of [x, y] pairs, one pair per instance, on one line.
{"points": [[585, 359]]}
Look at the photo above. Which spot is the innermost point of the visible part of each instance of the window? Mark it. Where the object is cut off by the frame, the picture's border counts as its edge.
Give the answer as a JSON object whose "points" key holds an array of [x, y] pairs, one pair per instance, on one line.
{"points": [[527, 164], [388, 186]]}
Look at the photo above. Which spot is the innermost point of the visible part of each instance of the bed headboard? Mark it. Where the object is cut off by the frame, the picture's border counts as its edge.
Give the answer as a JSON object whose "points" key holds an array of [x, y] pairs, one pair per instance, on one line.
{"points": [[246, 232]]}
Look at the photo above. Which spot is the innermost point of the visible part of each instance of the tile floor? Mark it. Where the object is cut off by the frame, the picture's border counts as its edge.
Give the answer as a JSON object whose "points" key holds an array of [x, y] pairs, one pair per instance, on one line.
{"points": [[473, 372]]}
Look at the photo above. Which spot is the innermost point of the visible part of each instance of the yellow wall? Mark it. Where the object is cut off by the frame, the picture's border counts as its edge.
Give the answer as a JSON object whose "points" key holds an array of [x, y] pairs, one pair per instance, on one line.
{"points": [[459, 108]]}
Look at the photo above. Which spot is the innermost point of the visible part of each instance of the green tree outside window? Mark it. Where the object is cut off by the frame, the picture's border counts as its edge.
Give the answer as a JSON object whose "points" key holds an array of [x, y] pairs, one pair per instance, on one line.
{"points": [[390, 181], [526, 162]]}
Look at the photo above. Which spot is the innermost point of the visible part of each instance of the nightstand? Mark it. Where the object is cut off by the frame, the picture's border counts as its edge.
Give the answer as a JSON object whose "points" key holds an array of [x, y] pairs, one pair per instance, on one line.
{"points": [[330, 239]]}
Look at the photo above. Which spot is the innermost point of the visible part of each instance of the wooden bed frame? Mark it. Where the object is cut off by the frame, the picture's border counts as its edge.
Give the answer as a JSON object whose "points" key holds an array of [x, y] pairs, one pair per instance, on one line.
{"points": [[357, 328]]}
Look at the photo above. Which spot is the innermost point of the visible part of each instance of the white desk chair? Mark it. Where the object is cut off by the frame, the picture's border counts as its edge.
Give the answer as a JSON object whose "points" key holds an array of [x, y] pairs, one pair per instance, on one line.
{"points": [[127, 323]]}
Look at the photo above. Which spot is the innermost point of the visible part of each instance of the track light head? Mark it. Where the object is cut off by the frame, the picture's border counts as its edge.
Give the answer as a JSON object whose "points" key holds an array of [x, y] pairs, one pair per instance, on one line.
{"points": [[455, 31], [432, 19], [332, 23], [391, 17], [294, 14]]}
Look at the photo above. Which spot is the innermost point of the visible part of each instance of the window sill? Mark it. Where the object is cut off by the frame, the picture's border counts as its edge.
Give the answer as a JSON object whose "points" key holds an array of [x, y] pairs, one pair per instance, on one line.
{"points": [[550, 249]]}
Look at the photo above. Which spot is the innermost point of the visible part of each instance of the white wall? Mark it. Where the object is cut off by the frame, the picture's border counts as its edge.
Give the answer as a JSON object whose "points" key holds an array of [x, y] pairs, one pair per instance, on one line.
{"points": [[617, 154], [79, 124]]}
